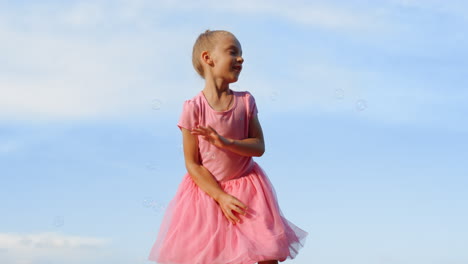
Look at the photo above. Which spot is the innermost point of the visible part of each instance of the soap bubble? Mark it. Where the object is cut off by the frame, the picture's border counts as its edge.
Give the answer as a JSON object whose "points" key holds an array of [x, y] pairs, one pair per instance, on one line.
{"points": [[361, 105], [58, 221], [156, 104], [339, 94]]}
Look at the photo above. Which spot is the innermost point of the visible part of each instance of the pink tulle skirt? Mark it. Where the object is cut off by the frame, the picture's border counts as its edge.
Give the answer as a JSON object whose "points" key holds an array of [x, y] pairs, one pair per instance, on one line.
{"points": [[194, 230]]}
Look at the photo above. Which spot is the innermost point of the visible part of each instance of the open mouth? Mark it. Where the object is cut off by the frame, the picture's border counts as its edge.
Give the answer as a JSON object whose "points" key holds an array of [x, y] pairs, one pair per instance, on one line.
{"points": [[237, 68]]}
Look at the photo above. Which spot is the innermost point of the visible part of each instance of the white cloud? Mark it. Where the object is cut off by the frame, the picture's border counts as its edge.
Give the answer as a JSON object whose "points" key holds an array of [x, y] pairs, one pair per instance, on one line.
{"points": [[50, 247], [70, 61], [62, 65], [321, 14], [49, 240], [84, 13], [73, 61]]}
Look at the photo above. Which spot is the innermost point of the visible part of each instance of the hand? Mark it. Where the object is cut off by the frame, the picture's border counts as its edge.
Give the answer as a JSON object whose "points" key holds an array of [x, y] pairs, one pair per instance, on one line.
{"points": [[211, 136], [228, 203]]}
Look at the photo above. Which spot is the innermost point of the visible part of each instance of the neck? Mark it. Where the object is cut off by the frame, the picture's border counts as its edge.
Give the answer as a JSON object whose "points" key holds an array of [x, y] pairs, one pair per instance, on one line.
{"points": [[216, 87]]}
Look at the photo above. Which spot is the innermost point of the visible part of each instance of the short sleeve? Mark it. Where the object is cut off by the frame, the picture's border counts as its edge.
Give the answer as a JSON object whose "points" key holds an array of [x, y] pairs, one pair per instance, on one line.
{"points": [[189, 116], [251, 105]]}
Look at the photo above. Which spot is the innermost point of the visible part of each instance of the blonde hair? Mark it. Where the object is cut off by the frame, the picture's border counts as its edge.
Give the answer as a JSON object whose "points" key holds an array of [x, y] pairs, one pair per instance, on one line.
{"points": [[205, 41]]}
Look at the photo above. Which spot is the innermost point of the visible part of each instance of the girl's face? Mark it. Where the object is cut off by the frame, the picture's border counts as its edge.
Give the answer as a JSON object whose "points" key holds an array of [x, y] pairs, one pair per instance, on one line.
{"points": [[227, 58]]}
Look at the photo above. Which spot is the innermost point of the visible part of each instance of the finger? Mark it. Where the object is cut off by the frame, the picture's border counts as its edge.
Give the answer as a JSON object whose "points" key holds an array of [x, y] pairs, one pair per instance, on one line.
{"points": [[198, 130], [244, 208], [239, 210], [235, 219], [204, 131], [212, 129], [229, 218], [241, 204], [228, 214]]}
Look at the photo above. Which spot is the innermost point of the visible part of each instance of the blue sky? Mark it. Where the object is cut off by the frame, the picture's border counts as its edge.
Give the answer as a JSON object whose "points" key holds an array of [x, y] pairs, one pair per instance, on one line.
{"points": [[362, 104]]}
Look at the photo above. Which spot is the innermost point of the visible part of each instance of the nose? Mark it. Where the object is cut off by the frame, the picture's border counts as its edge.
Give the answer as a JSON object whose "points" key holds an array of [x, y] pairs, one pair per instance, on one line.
{"points": [[240, 59]]}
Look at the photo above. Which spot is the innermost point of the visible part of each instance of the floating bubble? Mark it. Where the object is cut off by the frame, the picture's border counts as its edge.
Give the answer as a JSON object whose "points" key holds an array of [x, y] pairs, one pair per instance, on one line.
{"points": [[156, 104], [152, 166], [361, 105], [274, 95], [58, 221], [158, 207], [147, 201], [339, 93]]}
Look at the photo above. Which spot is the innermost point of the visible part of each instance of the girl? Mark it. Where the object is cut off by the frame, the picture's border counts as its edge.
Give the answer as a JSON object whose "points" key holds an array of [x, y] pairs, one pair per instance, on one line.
{"points": [[225, 210]]}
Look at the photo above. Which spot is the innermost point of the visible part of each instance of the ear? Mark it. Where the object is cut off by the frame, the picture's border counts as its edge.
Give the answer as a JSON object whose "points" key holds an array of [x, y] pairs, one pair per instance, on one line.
{"points": [[206, 57]]}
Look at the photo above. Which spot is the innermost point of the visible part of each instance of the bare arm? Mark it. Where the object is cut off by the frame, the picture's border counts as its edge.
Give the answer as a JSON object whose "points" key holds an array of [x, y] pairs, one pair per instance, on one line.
{"points": [[200, 175], [206, 181], [254, 145]]}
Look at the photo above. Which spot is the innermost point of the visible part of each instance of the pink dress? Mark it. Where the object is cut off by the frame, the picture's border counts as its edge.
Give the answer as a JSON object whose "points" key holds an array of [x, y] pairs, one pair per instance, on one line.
{"points": [[194, 230]]}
